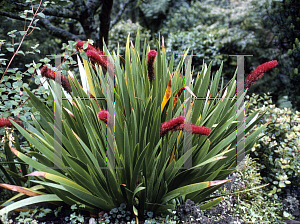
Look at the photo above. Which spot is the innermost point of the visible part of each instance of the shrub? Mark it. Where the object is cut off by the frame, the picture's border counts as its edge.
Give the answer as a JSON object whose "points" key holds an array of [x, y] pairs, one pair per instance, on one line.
{"points": [[249, 206], [279, 147], [201, 44], [233, 27], [119, 33], [148, 134]]}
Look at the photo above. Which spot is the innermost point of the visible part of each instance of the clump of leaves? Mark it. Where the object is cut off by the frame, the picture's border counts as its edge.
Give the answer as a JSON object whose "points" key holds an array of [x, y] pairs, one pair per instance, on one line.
{"points": [[143, 156]]}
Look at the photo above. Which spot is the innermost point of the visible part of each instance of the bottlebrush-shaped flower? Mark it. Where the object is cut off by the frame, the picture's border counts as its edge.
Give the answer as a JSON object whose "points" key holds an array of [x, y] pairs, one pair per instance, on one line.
{"points": [[150, 64], [258, 72], [195, 129], [79, 46], [171, 125], [48, 73], [103, 115], [97, 58], [5, 122], [177, 123]]}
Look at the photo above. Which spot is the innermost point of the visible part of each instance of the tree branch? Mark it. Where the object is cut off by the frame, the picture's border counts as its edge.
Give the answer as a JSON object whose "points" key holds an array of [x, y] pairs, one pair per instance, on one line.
{"points": [[118, 16], [58, 32], [64, 12], [11, 15], [104, 18], [93, 4]]}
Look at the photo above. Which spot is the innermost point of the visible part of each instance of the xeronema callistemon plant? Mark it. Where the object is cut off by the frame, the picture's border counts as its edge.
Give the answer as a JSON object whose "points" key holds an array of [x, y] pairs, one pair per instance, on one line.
{"points": [[149, 130]]}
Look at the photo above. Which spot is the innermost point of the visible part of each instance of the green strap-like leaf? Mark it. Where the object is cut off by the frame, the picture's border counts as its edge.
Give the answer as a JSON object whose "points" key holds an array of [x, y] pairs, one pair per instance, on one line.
{"points": [[29, 201]]}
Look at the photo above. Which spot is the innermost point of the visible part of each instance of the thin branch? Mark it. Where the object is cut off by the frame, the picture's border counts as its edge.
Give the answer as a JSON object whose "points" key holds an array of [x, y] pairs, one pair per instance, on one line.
{"points": [[12, 58], [59, 32], [118, 16]]}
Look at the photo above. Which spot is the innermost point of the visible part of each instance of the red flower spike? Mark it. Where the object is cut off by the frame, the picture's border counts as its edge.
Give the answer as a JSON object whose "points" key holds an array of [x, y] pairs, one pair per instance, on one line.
{"points": [[199, 130], [48, 73], [5, 122], [103, 115], [95, 57], [79, 46], [171, 125], [150, 64], [258, 72]]}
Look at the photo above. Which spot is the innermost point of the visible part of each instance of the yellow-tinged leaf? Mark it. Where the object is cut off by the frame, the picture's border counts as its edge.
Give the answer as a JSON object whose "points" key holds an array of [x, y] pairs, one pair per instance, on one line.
{"points": [[178, 138], [167, 94], [89, 76], [199, 118], [177, 95], [172, 156], [59, 180], [20, 189]]}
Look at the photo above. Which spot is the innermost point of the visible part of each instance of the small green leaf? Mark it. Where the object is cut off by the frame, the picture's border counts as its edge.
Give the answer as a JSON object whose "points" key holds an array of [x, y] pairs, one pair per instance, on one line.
{"points": [[31, 70], [20, 52], [23, 33], [19, 76], [281, 184], [10, 49], [85, 46]]}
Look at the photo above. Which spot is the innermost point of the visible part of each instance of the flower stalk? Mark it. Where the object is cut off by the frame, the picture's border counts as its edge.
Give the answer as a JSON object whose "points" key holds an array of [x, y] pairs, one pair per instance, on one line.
{"points": [[48, 73], [258, 72], [150, 64], [177, 124]]}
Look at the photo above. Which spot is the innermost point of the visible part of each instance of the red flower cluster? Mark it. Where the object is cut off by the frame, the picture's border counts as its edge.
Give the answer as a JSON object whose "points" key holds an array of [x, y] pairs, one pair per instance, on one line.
{"points": [[95, 54], [171, 125], [97, 58], [5, 122], [258, 72], [150, 64], [177, 123], [103, 115], [195, 129], [48, 73], [79, 46]]}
